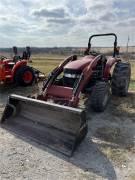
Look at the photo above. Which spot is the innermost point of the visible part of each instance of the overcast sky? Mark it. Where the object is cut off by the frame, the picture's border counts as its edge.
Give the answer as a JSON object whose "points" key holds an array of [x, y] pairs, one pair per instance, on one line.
{"points": [[65, 22]]}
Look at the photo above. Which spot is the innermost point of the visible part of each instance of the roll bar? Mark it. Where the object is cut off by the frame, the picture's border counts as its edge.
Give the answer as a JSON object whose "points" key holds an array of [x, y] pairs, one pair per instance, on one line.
{"points": [[108, 34]]}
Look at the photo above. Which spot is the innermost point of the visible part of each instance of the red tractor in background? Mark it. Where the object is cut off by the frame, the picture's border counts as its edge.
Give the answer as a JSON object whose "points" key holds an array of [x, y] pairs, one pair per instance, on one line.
{"points": [[16, 70]]}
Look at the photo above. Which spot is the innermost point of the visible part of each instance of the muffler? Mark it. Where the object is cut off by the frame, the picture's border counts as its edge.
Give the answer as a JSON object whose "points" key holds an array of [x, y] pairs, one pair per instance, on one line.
{"points": [[58, 127]]}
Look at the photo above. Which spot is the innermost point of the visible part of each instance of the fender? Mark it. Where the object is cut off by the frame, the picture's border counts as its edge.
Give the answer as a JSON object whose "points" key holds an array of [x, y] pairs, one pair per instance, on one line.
{"points": [[55, 73], [17, 66], [3, 73], [111, 61]]}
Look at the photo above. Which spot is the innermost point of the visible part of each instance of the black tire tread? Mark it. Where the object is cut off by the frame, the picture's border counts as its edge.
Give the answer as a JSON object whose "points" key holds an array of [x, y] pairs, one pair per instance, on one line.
{"points": [[121, 74], [97, 96], [18, 76]]}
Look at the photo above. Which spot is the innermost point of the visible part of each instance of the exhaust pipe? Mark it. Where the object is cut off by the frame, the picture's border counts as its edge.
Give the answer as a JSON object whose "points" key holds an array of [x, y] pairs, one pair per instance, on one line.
{"points": [[58, 127]]}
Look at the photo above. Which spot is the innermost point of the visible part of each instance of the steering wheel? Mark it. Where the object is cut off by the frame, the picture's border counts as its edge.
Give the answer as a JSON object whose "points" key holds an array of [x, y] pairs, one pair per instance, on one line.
{"points": [[94, 53], [90, 52]]}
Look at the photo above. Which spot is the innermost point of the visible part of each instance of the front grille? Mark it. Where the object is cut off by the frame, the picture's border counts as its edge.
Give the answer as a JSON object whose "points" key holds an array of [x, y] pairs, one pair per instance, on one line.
{"points": [[72, 71]]}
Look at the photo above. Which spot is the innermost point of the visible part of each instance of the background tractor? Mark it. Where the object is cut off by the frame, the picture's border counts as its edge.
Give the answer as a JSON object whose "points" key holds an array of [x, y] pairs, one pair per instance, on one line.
{"points": [[54, 118], [16, 70]]}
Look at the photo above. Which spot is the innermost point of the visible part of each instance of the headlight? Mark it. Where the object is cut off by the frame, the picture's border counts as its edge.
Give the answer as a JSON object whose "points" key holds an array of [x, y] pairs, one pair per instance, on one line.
{"points": [[71, 75]]}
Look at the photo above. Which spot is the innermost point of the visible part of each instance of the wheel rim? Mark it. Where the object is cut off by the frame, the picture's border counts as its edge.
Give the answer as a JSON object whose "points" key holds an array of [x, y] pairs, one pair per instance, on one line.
{"points": [[27, 77]]}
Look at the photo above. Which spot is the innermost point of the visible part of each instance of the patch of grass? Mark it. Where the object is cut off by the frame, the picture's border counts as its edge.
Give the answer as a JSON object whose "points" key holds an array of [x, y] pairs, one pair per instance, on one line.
{"points": [[131, 176], [116, 144], [132, 82], [132, 85], [116, 135], [45, 65], [109, 134], [118, 156], [123, 105]]}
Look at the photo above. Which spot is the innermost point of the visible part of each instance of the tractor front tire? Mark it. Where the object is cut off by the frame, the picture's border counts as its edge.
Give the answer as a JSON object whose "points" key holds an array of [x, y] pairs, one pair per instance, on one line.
{"points": [[121, 79], [24, 76], [100, 96]]}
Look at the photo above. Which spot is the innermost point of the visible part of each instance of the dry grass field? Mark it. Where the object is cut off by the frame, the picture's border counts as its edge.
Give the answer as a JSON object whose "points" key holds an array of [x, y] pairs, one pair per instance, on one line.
{"points": [[132, 83]]}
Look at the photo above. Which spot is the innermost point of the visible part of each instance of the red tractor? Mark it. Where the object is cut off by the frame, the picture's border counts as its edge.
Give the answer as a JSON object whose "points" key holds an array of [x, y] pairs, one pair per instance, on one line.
{"points": [[16, 70], [54, 117], [91, 75]]}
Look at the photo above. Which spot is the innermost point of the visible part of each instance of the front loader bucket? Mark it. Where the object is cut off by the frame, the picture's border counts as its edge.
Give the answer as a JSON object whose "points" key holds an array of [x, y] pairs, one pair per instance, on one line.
{"points": [[58, 127]]}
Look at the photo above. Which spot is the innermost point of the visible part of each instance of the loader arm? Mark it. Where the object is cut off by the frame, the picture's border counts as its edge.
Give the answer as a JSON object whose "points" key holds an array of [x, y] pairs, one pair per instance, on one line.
{"points": [[84, 79], [53, 75], [68, 95], [110, 62]]}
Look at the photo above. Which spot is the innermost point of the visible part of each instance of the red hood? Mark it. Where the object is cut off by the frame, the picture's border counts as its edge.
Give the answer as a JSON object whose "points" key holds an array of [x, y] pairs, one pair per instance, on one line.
{"points": [[80, 64]]}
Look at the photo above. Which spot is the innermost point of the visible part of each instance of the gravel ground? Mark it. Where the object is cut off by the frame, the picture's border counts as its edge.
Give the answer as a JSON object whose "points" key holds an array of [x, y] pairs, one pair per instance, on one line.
{"points": [[108, 151]]}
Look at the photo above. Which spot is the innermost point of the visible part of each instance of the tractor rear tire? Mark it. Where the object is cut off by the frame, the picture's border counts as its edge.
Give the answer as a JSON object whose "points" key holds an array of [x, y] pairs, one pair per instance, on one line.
{"points": [[24, 76], [121, 79], [100, 96]]}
